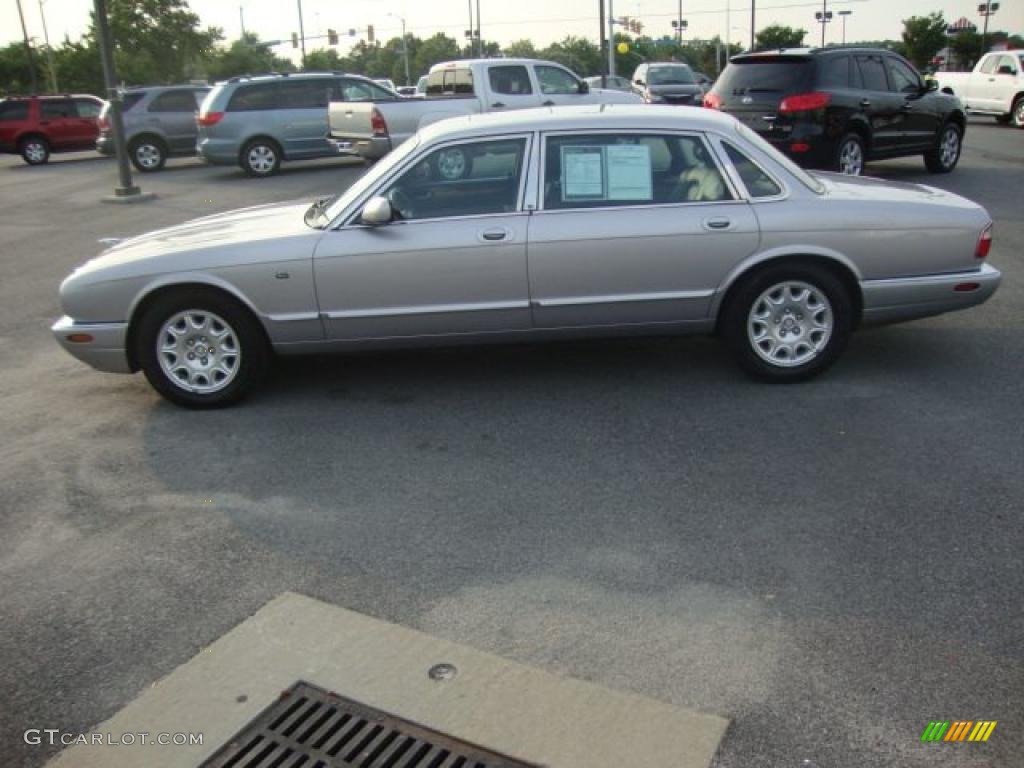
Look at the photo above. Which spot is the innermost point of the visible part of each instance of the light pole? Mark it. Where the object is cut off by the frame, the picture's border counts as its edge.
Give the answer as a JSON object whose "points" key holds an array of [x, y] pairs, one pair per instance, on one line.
{"points": [[844, 14], [302, 35], [405, 46], [752, 7], [823, 16], [49, 50], [241, 19], [611, 39], [986, 9]]}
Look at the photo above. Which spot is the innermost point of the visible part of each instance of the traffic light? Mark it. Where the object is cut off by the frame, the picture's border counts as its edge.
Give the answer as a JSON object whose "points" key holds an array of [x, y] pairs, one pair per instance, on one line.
{"points": [[369, 33], [295, 39], [332, 37]]}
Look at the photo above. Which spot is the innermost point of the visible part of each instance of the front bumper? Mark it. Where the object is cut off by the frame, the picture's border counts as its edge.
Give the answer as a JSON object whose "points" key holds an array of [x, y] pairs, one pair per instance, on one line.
{"points": [[909, 298], [107, 350], [369, 149]]}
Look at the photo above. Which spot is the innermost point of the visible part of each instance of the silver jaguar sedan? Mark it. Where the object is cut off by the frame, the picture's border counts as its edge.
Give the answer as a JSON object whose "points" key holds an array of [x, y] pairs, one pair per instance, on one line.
{"points": [[536, 224]]}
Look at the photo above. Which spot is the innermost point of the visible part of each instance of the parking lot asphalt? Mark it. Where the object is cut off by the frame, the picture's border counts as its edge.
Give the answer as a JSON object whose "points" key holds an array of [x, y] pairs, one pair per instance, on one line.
{"points": [[831, 565]]}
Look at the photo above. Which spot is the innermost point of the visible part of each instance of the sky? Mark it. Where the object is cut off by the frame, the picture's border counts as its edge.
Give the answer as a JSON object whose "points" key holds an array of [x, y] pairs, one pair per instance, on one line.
{"points": [[541, 21]]}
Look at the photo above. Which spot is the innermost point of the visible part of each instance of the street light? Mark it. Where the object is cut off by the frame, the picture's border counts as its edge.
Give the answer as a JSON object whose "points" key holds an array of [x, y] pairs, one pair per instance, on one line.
{"points": [[824, 16], [405, 46], [986, 9], [680, 27], [844, 14]]}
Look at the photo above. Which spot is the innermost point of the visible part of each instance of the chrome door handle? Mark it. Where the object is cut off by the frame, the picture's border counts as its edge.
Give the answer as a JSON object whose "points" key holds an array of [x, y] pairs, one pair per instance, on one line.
{"points": [[719, 223], [865, 102], [907, 108], [497, 105], [548, 103], [493, 235]]}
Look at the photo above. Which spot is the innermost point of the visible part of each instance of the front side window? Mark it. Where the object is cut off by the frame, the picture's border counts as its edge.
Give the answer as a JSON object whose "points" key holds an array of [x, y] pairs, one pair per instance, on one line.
{"points": [[604, 170], [989, 66], [902, 78], [461, 180], [360, 90], [757, 182], [511, 80], [555, 80], [174, 101], [1006, 64], [251, 98], [872, 73]]}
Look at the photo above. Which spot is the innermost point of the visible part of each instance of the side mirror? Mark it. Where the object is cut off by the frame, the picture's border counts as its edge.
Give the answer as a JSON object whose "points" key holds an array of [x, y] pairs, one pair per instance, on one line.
{"points": [[376, 212], [584, 86], [638, 82]]}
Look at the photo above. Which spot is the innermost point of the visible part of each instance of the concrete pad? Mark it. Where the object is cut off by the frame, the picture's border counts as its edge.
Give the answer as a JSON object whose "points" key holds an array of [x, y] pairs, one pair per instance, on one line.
{"points": [[507, 707]]}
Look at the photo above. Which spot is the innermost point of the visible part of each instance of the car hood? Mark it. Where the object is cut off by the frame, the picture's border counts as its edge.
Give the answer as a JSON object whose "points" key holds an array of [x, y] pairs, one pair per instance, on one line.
{"points": [[675, 90], [246, 225]]}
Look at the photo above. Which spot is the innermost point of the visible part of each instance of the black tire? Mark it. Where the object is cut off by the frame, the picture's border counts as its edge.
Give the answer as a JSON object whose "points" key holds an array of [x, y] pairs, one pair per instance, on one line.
{"points": [[1017, 112], [34, 150], [148, 153], [848, 148], [946, 153], [748, 296], [1004, 119], [248, 344], [453, 164], [260, 158]]}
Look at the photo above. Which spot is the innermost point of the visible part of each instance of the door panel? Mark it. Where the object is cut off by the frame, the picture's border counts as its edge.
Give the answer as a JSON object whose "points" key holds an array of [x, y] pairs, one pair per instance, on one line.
{"points": [[302, 118], [510, 87], [882, 107], [920, 121], [60, 120]]}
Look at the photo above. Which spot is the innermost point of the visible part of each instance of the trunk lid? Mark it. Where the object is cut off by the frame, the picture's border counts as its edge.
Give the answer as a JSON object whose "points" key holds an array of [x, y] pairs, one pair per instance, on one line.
{"points": [[752, 87]]}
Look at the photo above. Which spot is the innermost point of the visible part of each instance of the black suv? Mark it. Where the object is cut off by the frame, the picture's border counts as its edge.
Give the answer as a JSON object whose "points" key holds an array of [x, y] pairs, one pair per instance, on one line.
{"points": [[836, 108]]}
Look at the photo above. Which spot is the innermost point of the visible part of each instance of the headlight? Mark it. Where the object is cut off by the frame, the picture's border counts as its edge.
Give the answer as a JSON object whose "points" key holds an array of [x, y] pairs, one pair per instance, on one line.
{"points": [[652, 98]]}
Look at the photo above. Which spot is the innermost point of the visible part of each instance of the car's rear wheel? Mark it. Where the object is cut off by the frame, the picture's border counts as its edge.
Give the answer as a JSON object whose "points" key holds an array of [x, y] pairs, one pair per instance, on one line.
{"points": [[261, 157], [946, 154], [34, 150], [788, 322], [148, 154], [849, 157], [1017, 113], [201, 349]]}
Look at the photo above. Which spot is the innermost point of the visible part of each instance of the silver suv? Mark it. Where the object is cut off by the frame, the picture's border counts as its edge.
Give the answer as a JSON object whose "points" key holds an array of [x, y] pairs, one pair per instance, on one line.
{"points": [[261, 120], [159, 122]]}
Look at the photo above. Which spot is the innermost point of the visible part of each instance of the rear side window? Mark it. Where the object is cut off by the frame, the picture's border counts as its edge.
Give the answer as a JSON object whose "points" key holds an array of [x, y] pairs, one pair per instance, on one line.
{"points": [[251, 98], [129, 100], [757, 182], [511, 80], [765, 76], [50, 109], [872, 73], [14, 110], [360, 90], [88, 107], [174, 101], [834, 72]]}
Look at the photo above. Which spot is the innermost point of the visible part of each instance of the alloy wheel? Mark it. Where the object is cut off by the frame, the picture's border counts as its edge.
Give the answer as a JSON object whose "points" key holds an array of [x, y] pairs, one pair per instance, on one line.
{"points": [[1018, 113], [148, 156], [261, 158], [949, 147], [198, 351], [790, 323], [851, 158], [35, 151]]}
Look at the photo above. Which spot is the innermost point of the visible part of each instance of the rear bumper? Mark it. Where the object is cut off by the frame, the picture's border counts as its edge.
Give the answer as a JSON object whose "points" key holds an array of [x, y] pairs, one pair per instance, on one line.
{"points": [[909, 298], [370, 149], [105, 352], [218, 151], [105, 145]]}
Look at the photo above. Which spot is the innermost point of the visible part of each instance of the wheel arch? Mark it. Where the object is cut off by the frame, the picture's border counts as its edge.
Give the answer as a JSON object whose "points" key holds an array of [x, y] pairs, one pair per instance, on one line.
{"points": [[151, 135], [165, 286], [841, 266], [31, 133], [859, 125]]}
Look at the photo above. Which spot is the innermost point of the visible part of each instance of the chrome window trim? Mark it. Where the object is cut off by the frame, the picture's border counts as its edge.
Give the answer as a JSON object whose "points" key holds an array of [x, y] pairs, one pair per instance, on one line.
{"points": [[349, 218], [717, 141], [700, 135]]}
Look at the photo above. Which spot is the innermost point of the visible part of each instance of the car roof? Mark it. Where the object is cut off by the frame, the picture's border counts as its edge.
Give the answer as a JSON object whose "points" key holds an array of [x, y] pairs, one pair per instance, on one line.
{"points": [[463, 63], [806, 52], [51, 96], [149, 88], [592, 117]]}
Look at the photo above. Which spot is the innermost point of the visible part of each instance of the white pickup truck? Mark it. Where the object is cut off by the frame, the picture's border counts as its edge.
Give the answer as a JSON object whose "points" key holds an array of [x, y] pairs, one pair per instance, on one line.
{"points": [[995, 87], [456, 88]]}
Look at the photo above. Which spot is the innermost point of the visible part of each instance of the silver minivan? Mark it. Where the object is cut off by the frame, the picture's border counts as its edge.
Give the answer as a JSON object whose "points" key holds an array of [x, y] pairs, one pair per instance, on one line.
{"points": [[159, 122], [256, 122]]}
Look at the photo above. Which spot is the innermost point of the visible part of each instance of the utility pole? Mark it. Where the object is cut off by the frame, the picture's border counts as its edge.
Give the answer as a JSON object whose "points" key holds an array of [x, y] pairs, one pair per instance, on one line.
{"points": [[986, 9], [405, 46], [126, 190], [49, 50], [241, 19], [479, 38], [604, 68], [679, 24], [752, 6], [823, 17], [611, 39], [28, 51], [302, 35]]}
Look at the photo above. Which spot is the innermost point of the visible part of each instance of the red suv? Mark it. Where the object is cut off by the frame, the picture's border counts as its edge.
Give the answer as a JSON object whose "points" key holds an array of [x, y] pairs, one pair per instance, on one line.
{"points": [[36, 126]]}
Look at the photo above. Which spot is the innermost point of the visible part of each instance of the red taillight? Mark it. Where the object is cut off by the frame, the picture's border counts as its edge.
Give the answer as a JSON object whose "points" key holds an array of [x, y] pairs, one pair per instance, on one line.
{"points": [[380, 128], [799, 147], [712, 101], [984, 243], [805, 102], [209, 118], [103, 123]]}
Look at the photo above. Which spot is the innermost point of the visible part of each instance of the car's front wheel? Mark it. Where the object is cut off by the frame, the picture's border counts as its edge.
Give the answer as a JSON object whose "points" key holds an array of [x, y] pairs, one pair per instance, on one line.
{"points": [[35, 150], [788, 322], [1017, 112], [201, 349], [849, 157], [148, 154], [946, 154], [261, 157]]}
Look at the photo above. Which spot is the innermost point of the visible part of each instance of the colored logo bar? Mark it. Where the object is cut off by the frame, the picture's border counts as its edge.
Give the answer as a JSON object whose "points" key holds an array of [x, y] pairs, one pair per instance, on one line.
{"points": [[958, 730]]}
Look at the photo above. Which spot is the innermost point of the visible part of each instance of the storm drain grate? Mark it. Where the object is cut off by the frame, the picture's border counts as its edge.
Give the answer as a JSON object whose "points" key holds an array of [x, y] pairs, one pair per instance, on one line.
{"points": [[308, 727]]}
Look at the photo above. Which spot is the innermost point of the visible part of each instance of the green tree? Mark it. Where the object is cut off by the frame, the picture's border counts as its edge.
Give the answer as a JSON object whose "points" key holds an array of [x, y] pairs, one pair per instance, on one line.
{"points": [[777, 36], [245, 56], [520, 49], [435, 49], [15, 75], [923, 37], [79, 69], [577, 53], [323, 59]]}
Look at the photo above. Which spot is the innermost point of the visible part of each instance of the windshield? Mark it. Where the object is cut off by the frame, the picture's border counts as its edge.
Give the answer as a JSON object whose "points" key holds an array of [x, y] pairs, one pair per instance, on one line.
{"points": [[680, 74], [371, 177], [795, 170]]}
